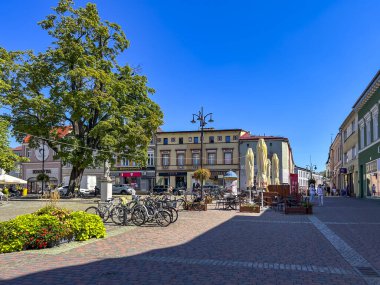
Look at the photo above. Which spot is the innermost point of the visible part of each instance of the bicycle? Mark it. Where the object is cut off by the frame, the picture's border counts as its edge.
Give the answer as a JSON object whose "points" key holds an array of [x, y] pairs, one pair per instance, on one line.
{"points": [[103, 210], [150, 211]]}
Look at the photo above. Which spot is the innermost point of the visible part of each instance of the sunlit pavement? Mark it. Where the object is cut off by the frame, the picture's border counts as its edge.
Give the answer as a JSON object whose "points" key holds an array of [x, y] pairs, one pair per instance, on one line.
{"points": [[339, 244]]}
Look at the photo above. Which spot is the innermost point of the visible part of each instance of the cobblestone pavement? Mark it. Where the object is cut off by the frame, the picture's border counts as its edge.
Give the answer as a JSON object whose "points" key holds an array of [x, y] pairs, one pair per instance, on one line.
{"points": [[339, 244]]}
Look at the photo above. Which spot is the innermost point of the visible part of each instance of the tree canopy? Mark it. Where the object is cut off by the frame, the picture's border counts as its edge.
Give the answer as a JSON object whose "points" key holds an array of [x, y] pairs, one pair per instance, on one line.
{"points": [[77, 83]]}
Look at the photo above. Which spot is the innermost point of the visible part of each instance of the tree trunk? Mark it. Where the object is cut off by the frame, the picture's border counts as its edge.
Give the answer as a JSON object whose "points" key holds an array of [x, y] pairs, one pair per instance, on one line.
{"points": [[75, 179]]}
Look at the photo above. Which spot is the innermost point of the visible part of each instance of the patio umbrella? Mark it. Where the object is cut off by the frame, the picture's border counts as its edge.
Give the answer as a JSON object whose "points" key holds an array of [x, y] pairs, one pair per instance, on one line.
{"points": [[249, 169], [275, 169], [8, 179], [261, 150], [269, 172]]}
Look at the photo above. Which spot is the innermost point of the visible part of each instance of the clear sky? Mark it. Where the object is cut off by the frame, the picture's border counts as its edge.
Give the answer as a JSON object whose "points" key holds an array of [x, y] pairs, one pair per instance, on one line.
{"points": [[282, 68]]}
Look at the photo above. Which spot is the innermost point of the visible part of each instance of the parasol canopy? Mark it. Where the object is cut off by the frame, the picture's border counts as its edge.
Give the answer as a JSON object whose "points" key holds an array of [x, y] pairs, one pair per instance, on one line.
{"points": [[275, 169], [249, 167], [261, 150]]}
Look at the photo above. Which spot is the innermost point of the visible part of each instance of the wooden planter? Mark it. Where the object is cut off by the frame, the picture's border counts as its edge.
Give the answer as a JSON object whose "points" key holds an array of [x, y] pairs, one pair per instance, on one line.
{"points": [[247, 209], [208, 200], [203, 208], [299, 210]]}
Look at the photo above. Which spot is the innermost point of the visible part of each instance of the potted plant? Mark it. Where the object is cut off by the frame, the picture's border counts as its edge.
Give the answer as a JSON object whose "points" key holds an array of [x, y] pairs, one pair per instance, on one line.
{"points": [[43, 177], [202, 174], [308, 207], [250, 208]]}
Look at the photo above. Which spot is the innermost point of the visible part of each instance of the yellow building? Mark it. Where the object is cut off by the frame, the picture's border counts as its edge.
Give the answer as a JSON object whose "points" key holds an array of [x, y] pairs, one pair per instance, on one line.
{"points": [[178, 155]]}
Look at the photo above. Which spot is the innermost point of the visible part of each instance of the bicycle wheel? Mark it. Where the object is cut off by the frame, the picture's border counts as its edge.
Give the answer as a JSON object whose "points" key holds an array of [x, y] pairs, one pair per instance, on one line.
{"points": [[119, 216], [174, 214], [138, 216], [92, 210], [163, 218], [104, 212]]}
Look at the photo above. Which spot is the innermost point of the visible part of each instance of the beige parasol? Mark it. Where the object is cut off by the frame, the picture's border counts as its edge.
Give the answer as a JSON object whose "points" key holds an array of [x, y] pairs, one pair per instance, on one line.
{"points": [[249, 170], [8, 179], [261, 151], [275, 169], [269, 172]]}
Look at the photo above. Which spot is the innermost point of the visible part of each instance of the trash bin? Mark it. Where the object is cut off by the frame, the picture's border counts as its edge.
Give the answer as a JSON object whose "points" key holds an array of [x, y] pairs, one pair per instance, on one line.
{"points": [[24, 192]]}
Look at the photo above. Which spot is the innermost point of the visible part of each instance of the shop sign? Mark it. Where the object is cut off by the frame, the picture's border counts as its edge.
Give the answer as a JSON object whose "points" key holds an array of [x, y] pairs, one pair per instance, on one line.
{"points": [[172, 174], [343, 170], [131, 174], [37, 171]]}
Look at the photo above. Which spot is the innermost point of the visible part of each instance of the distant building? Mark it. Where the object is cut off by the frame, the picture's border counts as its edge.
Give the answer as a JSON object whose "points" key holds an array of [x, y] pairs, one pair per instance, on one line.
{"points": [[17, 171], [178, 155], [278, 145]]}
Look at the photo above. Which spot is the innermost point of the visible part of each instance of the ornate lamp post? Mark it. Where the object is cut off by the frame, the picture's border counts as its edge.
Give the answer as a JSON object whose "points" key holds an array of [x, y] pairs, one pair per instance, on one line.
{"points": [[311, 167], [202, 122]]}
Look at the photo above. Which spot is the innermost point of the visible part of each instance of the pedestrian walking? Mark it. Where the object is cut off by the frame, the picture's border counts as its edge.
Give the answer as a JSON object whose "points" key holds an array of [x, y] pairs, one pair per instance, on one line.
{"points": [[373, 189], [320, 195], [334, 190], [312, 192], [328, 190]]}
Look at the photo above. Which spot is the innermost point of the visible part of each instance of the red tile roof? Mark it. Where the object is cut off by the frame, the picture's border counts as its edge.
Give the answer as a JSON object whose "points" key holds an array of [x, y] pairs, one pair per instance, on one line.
{"points": [[248, 136], [17, 148], [61, 132]]}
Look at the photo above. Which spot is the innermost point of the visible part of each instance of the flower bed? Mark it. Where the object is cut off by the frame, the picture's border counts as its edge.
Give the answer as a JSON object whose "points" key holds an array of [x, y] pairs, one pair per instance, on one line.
{"points": [[48, 227]]}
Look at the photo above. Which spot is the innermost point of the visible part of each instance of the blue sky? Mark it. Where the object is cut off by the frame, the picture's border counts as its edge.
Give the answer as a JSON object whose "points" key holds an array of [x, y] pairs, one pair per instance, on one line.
{"points": [[286, 68]]}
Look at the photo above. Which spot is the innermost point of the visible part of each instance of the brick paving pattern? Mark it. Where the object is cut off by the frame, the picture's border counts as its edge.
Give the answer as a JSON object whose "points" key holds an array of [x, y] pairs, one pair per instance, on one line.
{"points": [[213, 247]]}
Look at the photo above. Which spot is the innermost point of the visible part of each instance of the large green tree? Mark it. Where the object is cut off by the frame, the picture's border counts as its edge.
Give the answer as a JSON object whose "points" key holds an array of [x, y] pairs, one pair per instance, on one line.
{"points": [[79, 83], [8, 159]]}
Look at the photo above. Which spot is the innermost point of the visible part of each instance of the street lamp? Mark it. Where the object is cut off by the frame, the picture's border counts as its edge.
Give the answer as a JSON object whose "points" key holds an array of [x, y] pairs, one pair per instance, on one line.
{"points": [[202, 122], [311, 167]]}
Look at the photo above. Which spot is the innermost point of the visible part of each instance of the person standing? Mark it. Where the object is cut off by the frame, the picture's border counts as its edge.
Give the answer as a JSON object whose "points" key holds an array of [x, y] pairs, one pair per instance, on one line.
{"points": [[373, 189], [334, 190], [320, 195], [312, 192]]}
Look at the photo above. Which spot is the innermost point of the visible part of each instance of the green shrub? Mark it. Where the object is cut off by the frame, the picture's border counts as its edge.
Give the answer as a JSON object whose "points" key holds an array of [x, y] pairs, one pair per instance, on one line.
{"points": [[86, 226], [47, 227], [61, 213]]}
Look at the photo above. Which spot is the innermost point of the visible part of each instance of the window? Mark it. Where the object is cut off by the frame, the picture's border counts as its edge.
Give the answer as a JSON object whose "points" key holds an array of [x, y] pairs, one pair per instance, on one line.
{"points": [[368, 132], [181, 159], [150, 159], [211, 139], [353, 126], [180, 140], [172, 140], [165, 159], [190, 139], [159, 140], [353, 152], [345, 157], [27, 152], [211, 158], [195, 139], [345, 134], [220, 138], [228, 158], [166, 141], [124, 162], [235, 138], [195, 158], [375, 126], [228, 139], [361, 136]]}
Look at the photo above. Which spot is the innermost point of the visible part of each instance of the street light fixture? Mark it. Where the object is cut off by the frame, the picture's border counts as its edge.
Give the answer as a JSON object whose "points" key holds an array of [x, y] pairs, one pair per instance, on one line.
{"points": [[202, 122]]}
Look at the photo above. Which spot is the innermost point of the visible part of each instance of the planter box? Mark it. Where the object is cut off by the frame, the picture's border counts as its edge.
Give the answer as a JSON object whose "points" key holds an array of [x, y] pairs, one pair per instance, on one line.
{"points": [[298, 210], [202, 206], [208, 200], [245, 209]]}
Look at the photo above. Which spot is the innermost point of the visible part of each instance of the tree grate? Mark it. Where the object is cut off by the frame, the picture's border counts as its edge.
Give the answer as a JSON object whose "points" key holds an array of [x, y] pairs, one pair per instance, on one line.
{"points": [[367, 271]]}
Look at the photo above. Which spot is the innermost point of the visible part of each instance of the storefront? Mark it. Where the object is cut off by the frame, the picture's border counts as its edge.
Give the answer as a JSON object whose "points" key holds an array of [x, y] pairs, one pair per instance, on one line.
{"points": [[174, 179], [35, 186], [132, 178], [372, 183]]}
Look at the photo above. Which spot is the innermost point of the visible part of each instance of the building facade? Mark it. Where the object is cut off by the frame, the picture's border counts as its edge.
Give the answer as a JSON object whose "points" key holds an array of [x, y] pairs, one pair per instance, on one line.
{"points": [[349, 139], [367, 108], [128, 172], [303, 178], [178, 155], [336, 178], [278, 145]]}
